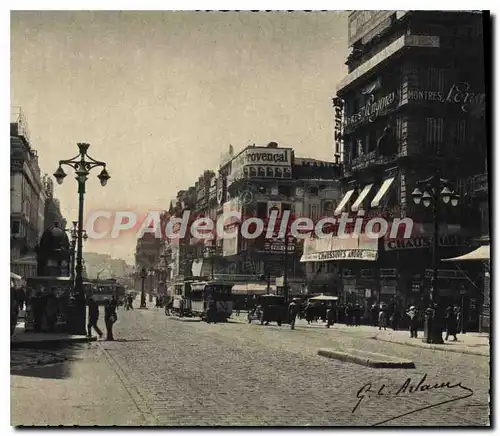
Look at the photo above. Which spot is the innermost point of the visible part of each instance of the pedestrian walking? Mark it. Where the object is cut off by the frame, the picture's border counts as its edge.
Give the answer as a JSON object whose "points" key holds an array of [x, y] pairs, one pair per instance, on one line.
{"points": [[412, 314], [93, 318], [182, 304], [357, 315], [382, 319], [451, 323], [374, 314], [348, 314], [293, 309], [110, 317], [330, 316], [130, 301]]}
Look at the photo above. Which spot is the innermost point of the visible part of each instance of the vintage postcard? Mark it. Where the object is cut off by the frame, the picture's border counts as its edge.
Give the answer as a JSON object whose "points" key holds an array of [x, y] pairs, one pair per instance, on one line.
{"points": [[250, 219]]}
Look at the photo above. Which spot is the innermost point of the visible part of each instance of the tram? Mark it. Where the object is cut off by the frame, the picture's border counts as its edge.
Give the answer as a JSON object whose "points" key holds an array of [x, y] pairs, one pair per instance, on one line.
{"points": [[102, 290], [199, 296]]}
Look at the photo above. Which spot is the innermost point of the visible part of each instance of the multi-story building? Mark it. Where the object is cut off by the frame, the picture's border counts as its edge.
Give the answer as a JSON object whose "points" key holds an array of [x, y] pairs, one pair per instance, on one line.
{"points": [[253, 183], [147, 253], [260, 179], [27, 197], [408, 105]]}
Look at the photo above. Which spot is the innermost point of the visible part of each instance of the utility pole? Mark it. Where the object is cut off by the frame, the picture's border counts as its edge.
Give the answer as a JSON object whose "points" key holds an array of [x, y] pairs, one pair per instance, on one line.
{"points": [[285, 275]]}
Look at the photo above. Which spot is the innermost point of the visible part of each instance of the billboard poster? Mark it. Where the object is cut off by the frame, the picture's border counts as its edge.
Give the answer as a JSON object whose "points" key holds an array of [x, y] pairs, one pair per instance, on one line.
{"points": [[262, 163], [231, 226], [335, 248]]}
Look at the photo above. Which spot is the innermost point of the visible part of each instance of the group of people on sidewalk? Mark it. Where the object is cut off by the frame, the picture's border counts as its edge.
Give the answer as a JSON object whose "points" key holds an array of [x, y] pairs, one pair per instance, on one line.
{"points": [[110, 317]]}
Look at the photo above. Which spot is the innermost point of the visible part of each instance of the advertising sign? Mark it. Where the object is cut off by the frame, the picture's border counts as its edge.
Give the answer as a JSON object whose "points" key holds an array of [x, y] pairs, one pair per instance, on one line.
{"points": [[425, 242], [231, 226], [277, 245], [262, 163], [334, 248], [459, 93], [371, 110]]}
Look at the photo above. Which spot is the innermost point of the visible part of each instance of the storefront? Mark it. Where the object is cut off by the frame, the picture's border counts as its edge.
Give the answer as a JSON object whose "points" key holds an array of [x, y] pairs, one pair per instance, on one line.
{"points": [[352, 253]]}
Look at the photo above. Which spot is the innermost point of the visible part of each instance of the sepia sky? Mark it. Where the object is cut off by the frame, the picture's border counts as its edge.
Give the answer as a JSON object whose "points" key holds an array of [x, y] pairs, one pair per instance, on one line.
{"points": [[159, 95]]}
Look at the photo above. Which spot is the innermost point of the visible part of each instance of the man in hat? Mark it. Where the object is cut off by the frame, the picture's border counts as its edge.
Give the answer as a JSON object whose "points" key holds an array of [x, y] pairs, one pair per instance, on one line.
{"points": [[412, 314]]}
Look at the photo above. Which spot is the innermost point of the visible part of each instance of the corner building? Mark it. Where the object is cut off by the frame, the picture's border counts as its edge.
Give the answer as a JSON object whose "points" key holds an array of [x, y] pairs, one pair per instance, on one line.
{"points": [[414, 93]]}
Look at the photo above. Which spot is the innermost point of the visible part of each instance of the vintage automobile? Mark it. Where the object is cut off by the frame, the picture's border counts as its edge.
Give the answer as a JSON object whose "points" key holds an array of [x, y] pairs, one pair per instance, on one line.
{"points": [[270, 308]]}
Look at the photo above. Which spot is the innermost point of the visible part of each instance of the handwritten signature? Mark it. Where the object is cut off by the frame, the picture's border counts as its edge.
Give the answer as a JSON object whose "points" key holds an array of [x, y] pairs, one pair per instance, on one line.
{"points": [[408, 388]]}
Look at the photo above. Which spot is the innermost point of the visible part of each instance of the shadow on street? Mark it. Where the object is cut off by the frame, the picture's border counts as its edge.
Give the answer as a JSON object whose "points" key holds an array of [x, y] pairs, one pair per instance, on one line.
{"points": [[44, 361]]}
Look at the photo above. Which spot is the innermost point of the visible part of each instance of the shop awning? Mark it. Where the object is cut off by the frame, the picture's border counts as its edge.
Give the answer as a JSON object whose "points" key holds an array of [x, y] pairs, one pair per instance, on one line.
{"points": [[361, 197], [481, 253], [15, 276], [251, 288], [344, 201], [383, 189]]}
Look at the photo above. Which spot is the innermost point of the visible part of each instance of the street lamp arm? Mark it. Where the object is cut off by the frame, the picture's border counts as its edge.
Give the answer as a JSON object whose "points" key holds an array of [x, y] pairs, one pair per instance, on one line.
{"points": [[80, 164]]}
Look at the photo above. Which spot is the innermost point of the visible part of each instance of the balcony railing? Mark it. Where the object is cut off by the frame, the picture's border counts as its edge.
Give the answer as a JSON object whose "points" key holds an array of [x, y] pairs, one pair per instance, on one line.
{"points": [[368, 160]]}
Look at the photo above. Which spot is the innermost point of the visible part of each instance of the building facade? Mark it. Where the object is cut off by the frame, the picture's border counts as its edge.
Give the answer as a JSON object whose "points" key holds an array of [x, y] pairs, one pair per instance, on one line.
{"points": [[52, 208], [254, 182], [410, 105], [27, 197]]}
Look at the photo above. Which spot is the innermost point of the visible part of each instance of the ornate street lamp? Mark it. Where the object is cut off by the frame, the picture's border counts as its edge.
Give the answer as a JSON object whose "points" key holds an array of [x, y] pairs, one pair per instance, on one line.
{"points": [[82, 164], [435, 192], [73, 231]]}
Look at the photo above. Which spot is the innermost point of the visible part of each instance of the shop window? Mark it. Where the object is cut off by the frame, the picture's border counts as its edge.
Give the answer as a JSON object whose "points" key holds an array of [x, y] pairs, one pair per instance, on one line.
{"points": [[434, 132], [286, 206]]}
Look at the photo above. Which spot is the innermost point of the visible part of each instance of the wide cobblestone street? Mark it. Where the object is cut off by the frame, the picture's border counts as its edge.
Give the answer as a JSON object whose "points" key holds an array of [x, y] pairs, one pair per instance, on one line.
{"points": [[193, 373]]}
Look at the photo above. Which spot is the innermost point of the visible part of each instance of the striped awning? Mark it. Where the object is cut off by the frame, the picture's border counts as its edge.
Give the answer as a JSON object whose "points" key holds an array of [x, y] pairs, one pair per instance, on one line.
{"points": [[361, 197], [344, 201], [383, 189]]}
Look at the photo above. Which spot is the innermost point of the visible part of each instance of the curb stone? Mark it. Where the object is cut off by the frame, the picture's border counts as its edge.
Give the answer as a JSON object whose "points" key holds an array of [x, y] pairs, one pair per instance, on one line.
{"points": [[178, 318], [372, 360], [50, 342], [134, 393], [435, 347]]}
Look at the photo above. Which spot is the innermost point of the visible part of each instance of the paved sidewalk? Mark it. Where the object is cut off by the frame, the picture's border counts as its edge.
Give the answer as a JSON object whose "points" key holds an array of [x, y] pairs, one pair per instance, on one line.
{"points": [[86, 393], [468, 343], [23, 339]]}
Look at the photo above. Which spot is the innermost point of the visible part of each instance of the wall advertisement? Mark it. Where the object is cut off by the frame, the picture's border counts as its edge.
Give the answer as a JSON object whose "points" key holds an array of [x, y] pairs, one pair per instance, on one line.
{"points": [[459, 94], [425, 242], [231, 227], [334, 248], [371, 110], [262, 163]]}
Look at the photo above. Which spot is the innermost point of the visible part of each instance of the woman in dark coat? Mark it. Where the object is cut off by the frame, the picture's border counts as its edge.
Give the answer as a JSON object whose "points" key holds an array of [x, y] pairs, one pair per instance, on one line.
{"points": [[110, 317], [451, 323]]}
